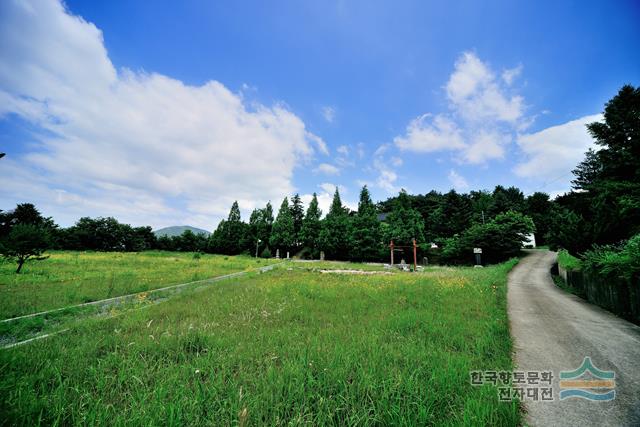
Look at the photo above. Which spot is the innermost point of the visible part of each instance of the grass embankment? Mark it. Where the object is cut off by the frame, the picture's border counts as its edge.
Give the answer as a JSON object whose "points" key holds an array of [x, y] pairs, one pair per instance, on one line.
{"points": [[568, 261], [68, 278], [286, 347]]}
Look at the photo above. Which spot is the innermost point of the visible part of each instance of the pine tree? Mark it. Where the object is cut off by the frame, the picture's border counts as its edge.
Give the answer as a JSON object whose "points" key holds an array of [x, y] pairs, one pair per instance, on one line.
{"points": [[282, 233], [365, 236], [297, 213], [335, 231], [311, 225]]}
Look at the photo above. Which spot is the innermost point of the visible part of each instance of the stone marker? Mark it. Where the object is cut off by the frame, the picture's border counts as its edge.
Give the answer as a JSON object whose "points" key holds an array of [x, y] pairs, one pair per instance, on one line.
{"points": [[277, 253], [321, 255]]}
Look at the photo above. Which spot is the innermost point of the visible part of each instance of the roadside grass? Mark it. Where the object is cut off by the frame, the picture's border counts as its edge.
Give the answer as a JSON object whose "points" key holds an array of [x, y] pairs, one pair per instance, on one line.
{"points": [[68, 278], [568, 261], [285, 347]]}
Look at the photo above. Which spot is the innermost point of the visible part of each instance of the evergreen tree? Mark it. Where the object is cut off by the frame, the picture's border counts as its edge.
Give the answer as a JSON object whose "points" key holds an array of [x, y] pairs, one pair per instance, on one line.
{"points": [[404, 223], [297, 213], [334, 234], [235, 231], [454, 214], [538, 208], [282, 233], [311, 225], [365, 239]]}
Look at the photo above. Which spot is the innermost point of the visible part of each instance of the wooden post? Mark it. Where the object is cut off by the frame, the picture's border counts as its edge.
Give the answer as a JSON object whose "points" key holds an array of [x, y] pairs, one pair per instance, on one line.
{"points": [[391, 246], [415, 256]]}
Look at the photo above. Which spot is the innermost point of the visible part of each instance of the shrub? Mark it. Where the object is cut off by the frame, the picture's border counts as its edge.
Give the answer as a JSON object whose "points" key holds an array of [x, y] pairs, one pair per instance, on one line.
{"points": [[621, 260], [266, 253], [568, 261]]}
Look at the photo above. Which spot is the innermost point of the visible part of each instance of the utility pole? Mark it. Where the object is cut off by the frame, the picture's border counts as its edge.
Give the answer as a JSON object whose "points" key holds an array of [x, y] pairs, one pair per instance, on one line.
{"points": [[257, 243]]}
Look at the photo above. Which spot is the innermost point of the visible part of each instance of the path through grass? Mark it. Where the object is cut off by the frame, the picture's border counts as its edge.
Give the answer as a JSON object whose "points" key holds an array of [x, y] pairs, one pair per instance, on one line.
{"points": [[286, 347], [68, 278]]}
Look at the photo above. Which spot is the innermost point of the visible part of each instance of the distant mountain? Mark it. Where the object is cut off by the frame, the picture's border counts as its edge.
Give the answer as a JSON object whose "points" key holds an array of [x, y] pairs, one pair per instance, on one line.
{"points": [[177, 230]]}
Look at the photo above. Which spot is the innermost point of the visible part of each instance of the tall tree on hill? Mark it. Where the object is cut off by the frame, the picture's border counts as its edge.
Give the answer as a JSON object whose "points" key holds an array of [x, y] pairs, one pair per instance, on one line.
{"points": [[282, 233], [365, 236], [297, 213], [334, 235], [311, 225]]}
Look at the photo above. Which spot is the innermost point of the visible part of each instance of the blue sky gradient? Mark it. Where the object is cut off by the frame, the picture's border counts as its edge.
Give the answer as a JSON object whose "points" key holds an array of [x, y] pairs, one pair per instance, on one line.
{"points": [[356, 74]]}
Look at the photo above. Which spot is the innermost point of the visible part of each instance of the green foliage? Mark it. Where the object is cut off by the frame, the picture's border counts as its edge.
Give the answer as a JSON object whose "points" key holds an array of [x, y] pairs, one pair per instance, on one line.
{"points": [[568, 261], [24, 242], [335, 231], [283, 232], [297, 213], [311, 226], [366, 240], [500, 239], [404, 223], [266, 253], [622, 260], [232, 236]]}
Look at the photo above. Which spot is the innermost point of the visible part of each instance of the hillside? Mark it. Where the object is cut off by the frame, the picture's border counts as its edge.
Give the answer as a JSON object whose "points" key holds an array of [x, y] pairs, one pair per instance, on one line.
{"points": [[177, 230]]}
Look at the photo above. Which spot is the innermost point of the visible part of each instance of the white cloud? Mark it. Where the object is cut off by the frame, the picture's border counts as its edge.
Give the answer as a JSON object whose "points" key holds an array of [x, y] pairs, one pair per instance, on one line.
{"points": [[329, 114], [476, 94], [486, 145], [554, 152], [146, 148], [423, 136], [343, 149], [509, 75], [483, 120], [325, 197], [327, 169], [458, 181]]}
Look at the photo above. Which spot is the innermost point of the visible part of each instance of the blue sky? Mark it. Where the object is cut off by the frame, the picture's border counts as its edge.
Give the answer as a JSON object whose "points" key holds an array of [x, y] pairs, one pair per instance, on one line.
{"points": [[163, 113]]}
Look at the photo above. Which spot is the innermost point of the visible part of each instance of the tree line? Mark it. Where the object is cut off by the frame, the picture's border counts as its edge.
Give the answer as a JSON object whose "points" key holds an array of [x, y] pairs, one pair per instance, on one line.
{"points": [[603, 208]]}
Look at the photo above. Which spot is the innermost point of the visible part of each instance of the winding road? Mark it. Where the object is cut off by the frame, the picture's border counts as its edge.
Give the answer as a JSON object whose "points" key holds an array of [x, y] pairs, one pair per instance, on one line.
{"points": [[554, 330]]}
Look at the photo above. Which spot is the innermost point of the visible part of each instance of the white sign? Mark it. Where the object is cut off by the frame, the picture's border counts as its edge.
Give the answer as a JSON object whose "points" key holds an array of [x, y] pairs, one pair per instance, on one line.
{"points": [[477, 250]]}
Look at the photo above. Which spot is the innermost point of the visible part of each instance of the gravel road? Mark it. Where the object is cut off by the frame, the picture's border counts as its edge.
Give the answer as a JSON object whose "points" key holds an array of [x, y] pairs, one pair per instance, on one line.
{"points": [[554, 330]]}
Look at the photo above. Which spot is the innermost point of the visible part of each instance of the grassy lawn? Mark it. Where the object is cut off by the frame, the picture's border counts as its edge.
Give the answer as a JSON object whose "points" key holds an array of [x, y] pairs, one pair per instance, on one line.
{"points": [[68, 278], [285, 347]]}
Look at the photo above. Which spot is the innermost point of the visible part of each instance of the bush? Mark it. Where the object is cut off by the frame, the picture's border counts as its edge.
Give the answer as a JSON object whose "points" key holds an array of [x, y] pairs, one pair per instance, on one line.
{"points": [[621, 260], [500, 239], [266, 253]]}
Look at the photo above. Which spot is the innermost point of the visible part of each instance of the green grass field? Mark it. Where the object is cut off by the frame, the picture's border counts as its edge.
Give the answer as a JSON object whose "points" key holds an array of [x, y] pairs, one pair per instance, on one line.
{"points": [[280, 348], [68, 278]]}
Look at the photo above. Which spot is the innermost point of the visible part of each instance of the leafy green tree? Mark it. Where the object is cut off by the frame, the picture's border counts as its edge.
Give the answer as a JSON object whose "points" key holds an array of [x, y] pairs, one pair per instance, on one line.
{"points": [[404, 223], [24, 242], [297, 213], [506, 199], [608, 179], [500, 239], [453, 215], [260, 224], [335, 231], [231, 236], [283, 233], [365, 239], [311, 226]]}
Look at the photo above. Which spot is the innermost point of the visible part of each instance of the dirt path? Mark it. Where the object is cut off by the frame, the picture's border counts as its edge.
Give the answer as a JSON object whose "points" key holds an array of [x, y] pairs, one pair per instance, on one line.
{"points": [[554, 330]]}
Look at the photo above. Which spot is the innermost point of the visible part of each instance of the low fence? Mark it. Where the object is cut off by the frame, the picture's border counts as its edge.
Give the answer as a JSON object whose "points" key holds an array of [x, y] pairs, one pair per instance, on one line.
{"points": [[620, 296]]}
